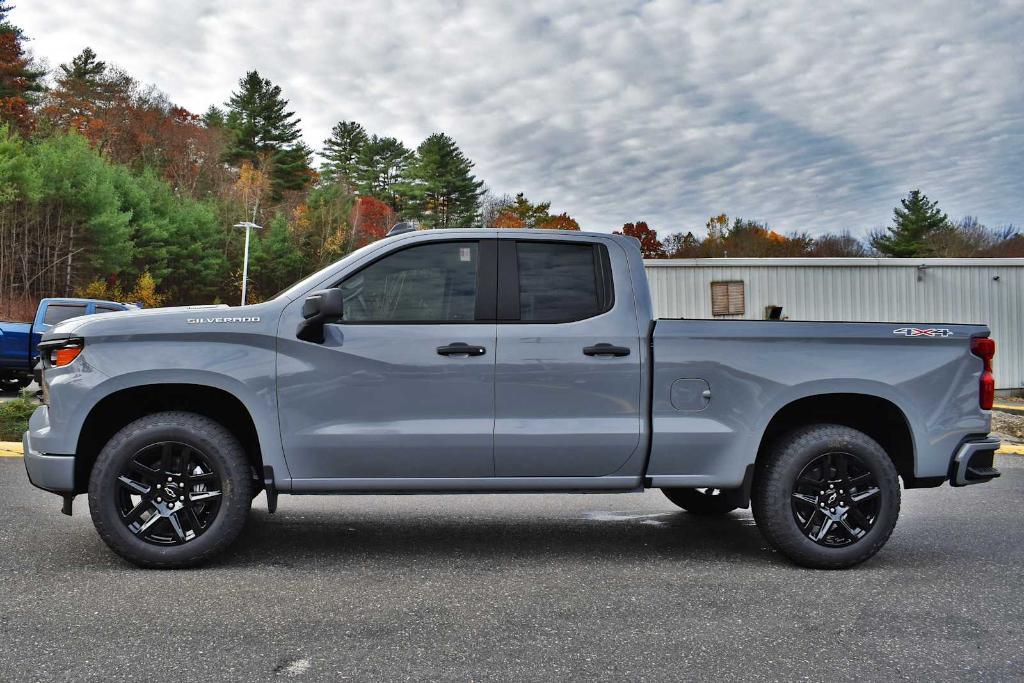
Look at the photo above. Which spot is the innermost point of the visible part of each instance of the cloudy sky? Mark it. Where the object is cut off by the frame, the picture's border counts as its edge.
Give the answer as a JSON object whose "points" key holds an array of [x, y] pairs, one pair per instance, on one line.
{"points": [[810, 115]]}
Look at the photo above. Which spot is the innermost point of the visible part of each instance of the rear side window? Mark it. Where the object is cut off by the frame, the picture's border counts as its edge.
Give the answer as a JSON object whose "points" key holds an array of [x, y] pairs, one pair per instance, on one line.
{"points": [[427, 283], [58, 313], [562, 282], [106, 309]]}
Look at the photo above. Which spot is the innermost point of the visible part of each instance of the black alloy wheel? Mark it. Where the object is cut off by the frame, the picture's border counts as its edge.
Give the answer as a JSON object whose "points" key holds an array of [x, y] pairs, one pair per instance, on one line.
{"points": [[169, 493], [826, 495], [836, 500], [171, 489]]}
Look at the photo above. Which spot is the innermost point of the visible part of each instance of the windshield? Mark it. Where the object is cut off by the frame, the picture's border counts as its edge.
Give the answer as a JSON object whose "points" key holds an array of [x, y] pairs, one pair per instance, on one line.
{"points": [[303, 285]]}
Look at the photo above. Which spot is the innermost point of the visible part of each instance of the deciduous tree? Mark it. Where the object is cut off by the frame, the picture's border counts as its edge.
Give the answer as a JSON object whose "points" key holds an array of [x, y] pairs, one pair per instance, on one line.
{"points": [[650, 247], [20, 81], [371, 219]]}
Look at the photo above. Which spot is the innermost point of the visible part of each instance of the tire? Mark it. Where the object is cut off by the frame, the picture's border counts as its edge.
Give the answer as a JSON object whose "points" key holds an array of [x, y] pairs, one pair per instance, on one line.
{"points": [[159, 521], [830, 482], [702, 501]]}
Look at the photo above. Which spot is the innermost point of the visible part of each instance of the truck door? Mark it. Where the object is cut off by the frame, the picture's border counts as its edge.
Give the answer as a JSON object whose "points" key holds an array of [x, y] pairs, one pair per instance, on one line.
{"points": [[403, 386], [568, 378]]}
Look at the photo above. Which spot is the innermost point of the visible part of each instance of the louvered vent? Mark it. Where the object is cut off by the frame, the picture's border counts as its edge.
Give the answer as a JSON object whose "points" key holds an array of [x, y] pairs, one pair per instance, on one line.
{"points": [[727, 298]]}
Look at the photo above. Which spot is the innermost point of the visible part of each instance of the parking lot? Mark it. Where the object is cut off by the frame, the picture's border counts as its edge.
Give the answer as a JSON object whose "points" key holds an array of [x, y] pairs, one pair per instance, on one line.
{"points": [[523, 587]]}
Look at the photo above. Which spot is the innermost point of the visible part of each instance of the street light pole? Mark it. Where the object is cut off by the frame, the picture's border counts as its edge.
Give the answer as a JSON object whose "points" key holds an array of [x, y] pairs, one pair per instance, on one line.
{"points": [[248, 225]]}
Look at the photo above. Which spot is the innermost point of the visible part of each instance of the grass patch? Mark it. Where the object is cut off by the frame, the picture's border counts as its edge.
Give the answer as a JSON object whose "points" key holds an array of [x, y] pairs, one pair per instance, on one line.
{"points": [[14, 416]]}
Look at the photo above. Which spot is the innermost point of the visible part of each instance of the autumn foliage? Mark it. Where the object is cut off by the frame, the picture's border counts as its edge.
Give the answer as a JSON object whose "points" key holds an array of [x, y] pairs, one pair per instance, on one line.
{"points": [[371, 220], [650, 246]]}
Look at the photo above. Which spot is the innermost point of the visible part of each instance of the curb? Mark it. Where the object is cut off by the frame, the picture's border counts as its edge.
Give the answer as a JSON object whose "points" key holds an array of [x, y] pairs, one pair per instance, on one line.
{"points": [[10, 449], [1009, 408]]}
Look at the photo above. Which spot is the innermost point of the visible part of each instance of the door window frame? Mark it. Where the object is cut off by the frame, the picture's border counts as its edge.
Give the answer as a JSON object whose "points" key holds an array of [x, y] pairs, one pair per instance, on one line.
{"points": [[508, 310], [486, 283]]}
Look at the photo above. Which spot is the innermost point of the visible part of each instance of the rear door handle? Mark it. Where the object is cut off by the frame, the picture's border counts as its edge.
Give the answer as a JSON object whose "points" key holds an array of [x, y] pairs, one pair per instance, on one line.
{"points": [[461, 349], [605, 350]]}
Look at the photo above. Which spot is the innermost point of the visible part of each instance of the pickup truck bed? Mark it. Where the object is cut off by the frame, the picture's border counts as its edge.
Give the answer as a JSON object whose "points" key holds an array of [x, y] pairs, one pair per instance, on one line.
{"points": [[477, 360]]}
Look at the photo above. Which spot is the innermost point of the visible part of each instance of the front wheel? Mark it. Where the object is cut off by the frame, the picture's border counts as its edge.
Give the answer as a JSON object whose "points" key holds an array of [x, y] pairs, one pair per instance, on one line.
{"points": [[169, 490], [827, 496]]}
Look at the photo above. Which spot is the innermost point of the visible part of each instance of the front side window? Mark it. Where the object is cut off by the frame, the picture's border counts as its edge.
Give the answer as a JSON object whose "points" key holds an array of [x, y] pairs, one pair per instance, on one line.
{"points": [[58, 313], [561, 282], [426, 283]]}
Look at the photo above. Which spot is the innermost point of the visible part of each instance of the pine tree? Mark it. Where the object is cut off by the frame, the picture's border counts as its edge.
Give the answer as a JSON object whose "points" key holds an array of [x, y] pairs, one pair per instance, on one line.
{"points": [[83, 89], [913, 225], [379, 167], [84, 67], [266, 134], [341, 152], [20, 82], [213, 117], [438, 187]]}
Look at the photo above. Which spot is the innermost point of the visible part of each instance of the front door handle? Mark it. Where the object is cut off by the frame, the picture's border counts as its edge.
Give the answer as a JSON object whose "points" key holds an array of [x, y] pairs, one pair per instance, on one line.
{"points": [[461, 349], [605, 350]]}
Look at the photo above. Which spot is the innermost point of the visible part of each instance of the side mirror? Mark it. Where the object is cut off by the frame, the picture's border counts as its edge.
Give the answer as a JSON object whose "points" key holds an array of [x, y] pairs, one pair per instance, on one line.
{"points": [[319, 309]]}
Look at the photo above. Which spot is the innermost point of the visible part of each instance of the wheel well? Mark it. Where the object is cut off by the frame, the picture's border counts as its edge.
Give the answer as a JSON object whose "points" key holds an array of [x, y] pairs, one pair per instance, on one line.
{"points": [[877, 417], [122, 407]]}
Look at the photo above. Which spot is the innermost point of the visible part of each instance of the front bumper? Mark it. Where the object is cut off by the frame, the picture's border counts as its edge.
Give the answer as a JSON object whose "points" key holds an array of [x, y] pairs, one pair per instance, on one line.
{"points": [[54, 473], [972, 463]]}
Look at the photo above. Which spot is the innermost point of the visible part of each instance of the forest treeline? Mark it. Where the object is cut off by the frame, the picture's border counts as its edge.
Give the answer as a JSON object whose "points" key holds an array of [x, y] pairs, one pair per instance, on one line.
{"points": [[109, 189]]}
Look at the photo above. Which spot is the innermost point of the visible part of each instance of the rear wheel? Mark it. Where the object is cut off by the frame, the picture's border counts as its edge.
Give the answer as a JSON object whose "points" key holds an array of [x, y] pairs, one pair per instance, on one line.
{"points": [[171, 489], [704, 501], [827, 496]]}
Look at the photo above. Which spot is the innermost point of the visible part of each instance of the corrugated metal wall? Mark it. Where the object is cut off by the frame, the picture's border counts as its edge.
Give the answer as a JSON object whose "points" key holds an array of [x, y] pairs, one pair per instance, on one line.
{"points": [[989, 291]]}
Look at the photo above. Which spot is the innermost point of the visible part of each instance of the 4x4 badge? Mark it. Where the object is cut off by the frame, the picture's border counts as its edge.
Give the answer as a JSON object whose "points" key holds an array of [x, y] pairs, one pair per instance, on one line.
{"points": [[923, 332]]}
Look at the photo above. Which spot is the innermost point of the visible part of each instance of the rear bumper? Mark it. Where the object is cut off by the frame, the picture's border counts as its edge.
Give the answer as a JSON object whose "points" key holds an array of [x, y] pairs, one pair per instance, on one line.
{"points": [[54, 473], [972, 463]]}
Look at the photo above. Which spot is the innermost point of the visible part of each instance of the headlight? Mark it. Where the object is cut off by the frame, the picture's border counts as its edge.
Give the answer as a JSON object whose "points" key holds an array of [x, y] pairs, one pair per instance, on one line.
{"points": [[57, 353]]}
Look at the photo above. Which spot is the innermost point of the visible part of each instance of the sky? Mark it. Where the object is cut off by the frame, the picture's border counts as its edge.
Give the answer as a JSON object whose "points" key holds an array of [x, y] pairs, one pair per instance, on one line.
{"points": [[812, 116]]}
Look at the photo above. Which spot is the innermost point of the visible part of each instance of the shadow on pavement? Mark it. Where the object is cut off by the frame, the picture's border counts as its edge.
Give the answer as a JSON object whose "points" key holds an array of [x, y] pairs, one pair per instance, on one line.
{"points": [[293, 540]]}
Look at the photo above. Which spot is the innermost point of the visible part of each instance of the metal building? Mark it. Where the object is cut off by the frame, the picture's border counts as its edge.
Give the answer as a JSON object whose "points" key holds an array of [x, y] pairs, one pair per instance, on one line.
{"points": [[989, 291]]}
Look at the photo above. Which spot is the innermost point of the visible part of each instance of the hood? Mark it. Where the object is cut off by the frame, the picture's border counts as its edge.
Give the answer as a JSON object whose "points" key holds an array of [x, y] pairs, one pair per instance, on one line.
{"points": [[149, 316]]}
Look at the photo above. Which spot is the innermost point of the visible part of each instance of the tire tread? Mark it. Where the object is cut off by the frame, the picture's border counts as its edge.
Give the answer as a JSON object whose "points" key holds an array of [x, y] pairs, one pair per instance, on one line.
{"points": [[234, 461], [774, 517]]}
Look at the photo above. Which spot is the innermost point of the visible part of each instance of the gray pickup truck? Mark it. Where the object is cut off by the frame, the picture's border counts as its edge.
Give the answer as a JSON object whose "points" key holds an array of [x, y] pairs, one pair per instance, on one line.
{"points": [[501, 361]]}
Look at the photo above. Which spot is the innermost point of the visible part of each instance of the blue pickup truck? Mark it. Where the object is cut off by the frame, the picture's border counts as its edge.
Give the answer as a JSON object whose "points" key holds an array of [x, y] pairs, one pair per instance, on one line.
{"points": [[19, 340]]}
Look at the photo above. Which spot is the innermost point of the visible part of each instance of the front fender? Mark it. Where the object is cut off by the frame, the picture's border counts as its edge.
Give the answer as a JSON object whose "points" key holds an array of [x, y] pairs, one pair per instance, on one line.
{"points": [[75, 395]]}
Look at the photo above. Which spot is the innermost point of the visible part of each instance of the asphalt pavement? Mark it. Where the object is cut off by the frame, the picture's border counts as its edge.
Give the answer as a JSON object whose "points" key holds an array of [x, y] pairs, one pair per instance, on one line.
{"points": [[8, 395], [516, 587]]}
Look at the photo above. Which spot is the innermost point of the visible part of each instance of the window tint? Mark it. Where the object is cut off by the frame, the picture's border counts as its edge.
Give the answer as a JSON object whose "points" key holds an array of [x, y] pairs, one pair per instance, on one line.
{"points": [[432, 282], [562, 282], [57, 313], [106, 309]]}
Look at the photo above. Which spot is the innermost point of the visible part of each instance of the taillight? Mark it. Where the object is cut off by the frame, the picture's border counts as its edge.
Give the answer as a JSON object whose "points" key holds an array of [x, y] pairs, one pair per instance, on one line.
{"points": [[985, 349]]}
